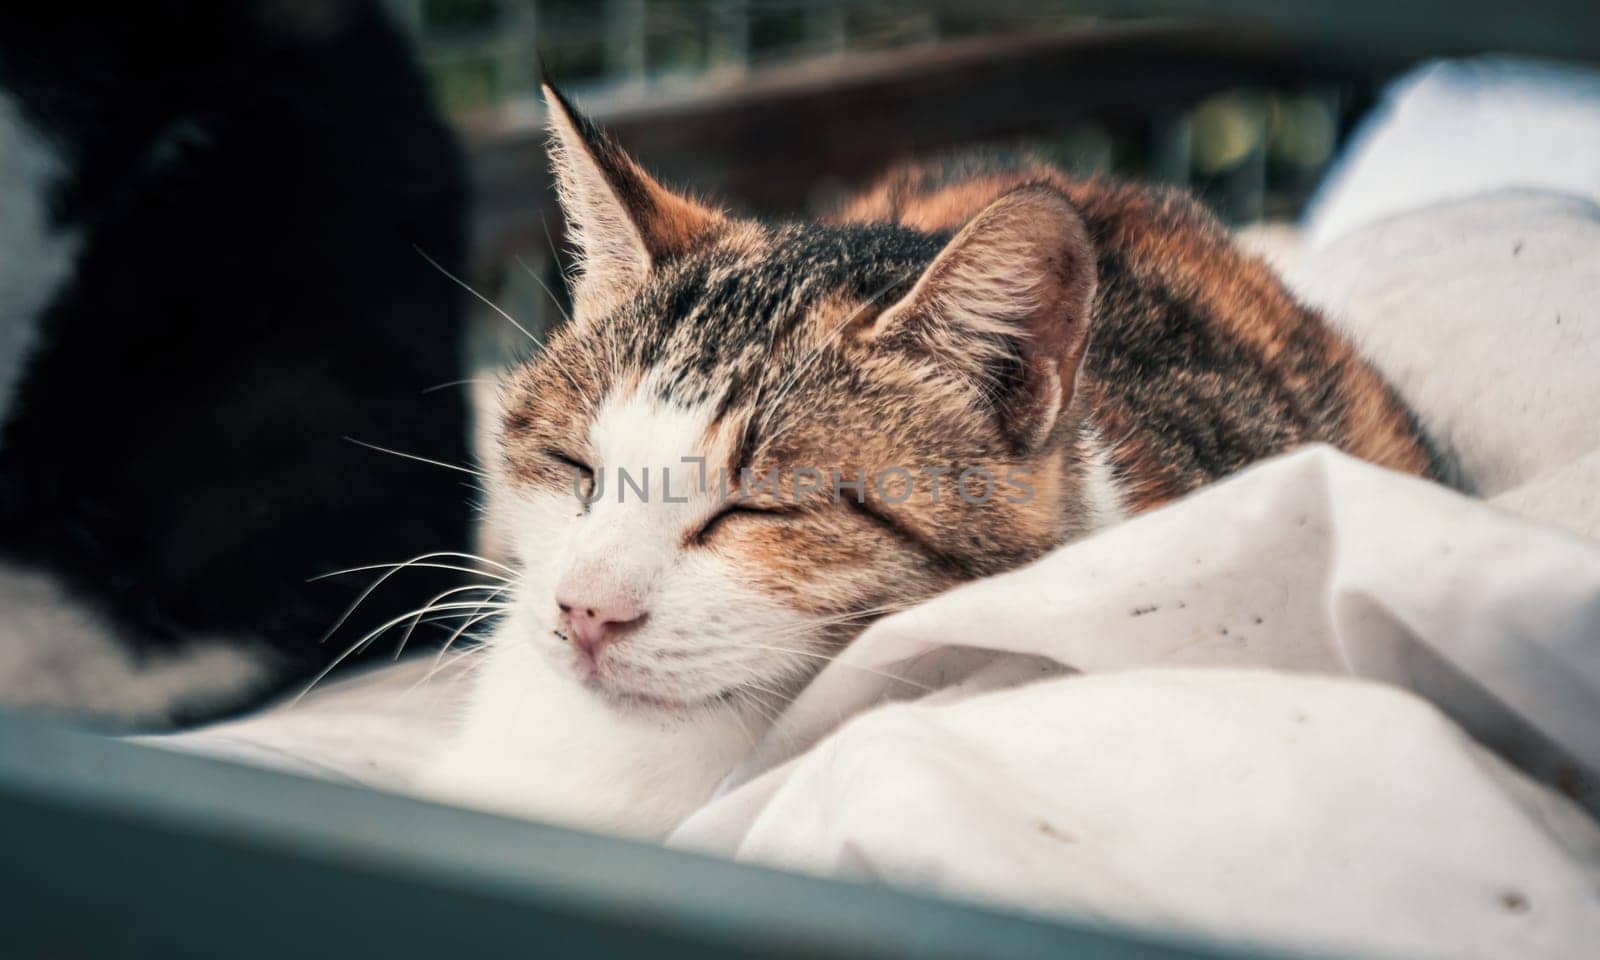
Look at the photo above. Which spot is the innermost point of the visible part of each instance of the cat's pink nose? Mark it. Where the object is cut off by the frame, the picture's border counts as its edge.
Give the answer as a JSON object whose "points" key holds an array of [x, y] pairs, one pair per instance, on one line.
{"points": [[595, 621]]}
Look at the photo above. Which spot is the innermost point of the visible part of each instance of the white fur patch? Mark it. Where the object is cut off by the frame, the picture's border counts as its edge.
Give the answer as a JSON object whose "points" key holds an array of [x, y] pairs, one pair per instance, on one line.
{"points": [[59, 657], [1102, 497], [641, 444], [535, 741], [35, 258]]}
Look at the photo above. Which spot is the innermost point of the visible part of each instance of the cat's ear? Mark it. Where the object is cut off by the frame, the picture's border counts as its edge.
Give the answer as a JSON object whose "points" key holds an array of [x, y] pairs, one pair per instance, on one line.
{"points": [[619, 219], [1008, 300]]}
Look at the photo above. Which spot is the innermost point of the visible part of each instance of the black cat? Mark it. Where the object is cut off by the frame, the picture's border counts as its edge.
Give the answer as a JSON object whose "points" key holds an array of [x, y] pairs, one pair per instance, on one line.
{"points": [[210, 223]]}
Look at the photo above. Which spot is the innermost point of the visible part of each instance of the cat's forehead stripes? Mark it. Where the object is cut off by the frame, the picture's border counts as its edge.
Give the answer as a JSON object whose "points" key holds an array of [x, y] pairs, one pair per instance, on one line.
{"points": [[714, 326]]}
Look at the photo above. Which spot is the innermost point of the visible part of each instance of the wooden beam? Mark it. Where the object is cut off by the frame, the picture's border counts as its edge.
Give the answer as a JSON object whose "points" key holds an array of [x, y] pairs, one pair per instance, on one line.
{"points": [[764, 140]]}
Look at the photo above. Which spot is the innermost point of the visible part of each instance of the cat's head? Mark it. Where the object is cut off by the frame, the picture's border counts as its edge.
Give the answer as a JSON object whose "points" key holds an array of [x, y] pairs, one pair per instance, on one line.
{"points": [[786, 430]]}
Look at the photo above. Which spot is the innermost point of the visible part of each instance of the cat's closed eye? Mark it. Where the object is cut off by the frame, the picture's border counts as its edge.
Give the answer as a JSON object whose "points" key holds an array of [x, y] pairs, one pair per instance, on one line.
{"points": [[583, 474], [731, 512]]}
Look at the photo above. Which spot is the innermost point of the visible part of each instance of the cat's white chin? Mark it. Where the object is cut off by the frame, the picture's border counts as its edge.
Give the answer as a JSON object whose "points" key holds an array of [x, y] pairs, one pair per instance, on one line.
{"points": [[653, 703], [538, 741], [630, 688]]}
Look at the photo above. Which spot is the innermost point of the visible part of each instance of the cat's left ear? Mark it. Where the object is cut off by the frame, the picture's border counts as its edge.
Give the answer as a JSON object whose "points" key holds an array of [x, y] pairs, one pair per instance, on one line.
{"points": [[1008, 301], [621, 221]]}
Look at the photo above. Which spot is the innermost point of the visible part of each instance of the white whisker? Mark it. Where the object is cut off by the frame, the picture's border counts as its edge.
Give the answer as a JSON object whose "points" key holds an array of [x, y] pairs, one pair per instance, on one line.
{"points": [[468, 287], [460, 657], [412, 456], [494, 591], [393, 569], [538, 343], [543, 286], [457, 383], [394, 566], [588, 356], [367, 640], [566, 279]]}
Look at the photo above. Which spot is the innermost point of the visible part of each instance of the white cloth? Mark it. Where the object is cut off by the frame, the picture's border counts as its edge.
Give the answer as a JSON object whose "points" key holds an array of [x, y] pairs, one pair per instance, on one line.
{"points": [[1486, 315], [1451, 130], [377, 727], [1234, 805], [1207, 798]]}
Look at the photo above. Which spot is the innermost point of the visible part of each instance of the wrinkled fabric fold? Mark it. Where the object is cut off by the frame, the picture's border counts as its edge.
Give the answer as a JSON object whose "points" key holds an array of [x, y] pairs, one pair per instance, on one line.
{"points": [[1149, 687]]}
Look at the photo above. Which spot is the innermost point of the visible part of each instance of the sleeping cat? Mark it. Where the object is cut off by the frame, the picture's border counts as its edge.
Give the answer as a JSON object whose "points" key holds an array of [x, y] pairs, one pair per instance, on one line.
{"points": [[209, 222], [974, 362]]}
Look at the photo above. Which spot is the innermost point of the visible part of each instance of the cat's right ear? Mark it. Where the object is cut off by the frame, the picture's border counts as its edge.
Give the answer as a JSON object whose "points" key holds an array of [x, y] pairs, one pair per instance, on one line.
{"points": [[1007, 303], [620, 220]]}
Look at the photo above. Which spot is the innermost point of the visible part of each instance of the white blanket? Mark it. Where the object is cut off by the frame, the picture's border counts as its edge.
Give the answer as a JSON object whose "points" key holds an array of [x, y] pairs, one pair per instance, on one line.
{"points": [[1452, 130], [1248, 804]]}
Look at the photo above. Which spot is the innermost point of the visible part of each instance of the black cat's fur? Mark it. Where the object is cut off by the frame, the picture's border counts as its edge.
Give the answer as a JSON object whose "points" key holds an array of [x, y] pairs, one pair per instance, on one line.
{"points": [[252, 184]]}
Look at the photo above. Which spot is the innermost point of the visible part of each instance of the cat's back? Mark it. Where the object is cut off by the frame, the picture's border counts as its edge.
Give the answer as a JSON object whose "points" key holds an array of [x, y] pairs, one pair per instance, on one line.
{"points": [[1201, 361]]}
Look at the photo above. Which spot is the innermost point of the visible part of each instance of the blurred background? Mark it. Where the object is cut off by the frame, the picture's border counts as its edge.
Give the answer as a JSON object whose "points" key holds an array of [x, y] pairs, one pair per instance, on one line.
{"points": [[1254, 149], [783, 106]]}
